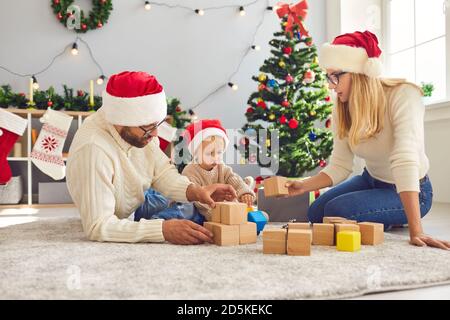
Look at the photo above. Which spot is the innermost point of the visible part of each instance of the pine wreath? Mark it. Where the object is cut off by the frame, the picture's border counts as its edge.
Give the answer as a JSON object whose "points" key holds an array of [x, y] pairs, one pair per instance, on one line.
{"points": [[96, 18]]}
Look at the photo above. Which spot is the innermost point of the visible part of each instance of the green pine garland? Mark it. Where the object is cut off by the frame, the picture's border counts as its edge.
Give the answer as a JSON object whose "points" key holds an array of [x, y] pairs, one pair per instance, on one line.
{"points": [[95, 19], [72, 100]]}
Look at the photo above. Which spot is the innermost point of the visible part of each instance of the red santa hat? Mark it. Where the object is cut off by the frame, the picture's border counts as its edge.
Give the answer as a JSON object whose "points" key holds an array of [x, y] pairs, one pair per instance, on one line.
{"points": [[356, 52], [134, 99], [198, 131]]}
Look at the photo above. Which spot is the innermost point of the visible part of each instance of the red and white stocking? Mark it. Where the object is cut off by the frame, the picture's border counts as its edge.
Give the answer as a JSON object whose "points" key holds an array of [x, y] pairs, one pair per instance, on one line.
{"points": [[47, 151], [11, 128]]}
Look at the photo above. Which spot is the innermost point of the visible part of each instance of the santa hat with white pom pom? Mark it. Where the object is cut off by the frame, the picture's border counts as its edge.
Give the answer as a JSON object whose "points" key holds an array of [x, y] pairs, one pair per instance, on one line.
{"points": [[356, 52]]}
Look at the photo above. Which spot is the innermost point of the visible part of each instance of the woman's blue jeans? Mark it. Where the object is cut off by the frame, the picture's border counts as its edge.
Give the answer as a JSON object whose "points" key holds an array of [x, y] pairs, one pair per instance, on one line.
{"points": [[156, 206], [364, 198]]}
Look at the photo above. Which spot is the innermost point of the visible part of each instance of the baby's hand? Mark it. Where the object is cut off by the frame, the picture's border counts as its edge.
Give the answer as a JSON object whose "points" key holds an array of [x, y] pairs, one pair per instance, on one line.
{"points": [[247, 198]]}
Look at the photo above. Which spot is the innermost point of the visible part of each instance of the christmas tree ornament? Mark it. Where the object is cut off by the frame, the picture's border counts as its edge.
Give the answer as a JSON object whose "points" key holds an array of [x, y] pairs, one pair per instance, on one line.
{"points": [[59, 16], [262, 104], [322, 163], [316, 60], [309, 42], [47, 151], [309, 76], [272, 83], [178, 109], [252, 158], [293, 123], [12, 127], [250, 132], [262, 77], [250, 110], [285, 103], [99, 24], [282, 64], [287, 50], [268, 143], [328, 99], [262, 87], [312, 113], [244, 141], [272, 117], [50, 103], [283, 119], [295, 13], [312, 136], [289, 78], [328, 123], [80, 93]]}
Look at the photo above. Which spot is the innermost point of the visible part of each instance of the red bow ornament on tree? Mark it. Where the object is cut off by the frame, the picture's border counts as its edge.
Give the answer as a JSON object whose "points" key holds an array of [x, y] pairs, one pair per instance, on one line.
{"points": [[295, 14]]}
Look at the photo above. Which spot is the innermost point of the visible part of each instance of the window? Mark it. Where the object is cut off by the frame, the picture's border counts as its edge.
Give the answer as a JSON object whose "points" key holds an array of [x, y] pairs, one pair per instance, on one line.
{"points": [[417, 43]]}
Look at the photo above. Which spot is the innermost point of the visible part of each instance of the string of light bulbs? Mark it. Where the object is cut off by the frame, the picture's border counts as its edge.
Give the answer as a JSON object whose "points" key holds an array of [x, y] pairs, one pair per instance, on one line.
{"points": [[148, 5]]}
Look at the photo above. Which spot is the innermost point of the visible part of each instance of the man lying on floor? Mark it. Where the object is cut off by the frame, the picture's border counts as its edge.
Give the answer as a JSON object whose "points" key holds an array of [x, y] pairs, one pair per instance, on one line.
{"points": [[114, 158]]}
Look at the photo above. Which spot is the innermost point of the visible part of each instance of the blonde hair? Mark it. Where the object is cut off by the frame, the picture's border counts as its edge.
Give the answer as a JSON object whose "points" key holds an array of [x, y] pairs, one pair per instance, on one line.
{"points": [[362, 117]]}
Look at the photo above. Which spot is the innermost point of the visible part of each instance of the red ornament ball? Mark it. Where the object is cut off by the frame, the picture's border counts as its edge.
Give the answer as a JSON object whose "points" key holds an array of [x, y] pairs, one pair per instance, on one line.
{"points": [[56, 1], [49, 103], [59, 16], [287, 50], [308, 74], [285, 103], [250, 110], [84, 26], [322, 163], [22, 94], [80, 93], [244, 141], [328, 123], [262, 87], [283, 119], [262, 104], [289, 78], [99, 25], [178, 109], [293, 123], [328, 99]]}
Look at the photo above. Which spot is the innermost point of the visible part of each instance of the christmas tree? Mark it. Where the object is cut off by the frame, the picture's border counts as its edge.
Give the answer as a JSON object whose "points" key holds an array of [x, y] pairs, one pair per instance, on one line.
{"points": [[292, 100]]}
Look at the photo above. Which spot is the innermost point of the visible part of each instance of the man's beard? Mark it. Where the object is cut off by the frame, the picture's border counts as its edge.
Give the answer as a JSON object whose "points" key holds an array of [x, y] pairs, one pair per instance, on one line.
{"points": [[138, 142]]}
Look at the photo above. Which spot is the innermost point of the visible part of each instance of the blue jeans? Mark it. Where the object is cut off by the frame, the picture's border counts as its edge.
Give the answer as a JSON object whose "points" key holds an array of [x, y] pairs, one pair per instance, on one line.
{"points": [[156, 206], [364, 198]]}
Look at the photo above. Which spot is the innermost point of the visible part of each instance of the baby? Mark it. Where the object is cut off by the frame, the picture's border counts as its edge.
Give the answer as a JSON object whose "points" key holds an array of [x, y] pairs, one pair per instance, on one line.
{"points": [[207, 141]]}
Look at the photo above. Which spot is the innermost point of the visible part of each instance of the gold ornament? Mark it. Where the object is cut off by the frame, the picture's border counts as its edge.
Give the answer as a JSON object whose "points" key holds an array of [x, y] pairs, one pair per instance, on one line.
{"points": [[268, 143], [262, 77], [316, 60], [272, 117], [312, 113], [282, 64]]}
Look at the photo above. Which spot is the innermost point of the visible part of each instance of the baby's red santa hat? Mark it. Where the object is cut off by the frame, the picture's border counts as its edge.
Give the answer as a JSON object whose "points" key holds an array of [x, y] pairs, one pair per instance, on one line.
{"points": [[356, 52], [134, 99], [198, 131]]}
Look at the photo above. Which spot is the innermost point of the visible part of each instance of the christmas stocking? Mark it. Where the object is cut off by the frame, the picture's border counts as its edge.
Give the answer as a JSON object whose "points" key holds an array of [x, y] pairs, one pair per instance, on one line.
{"points": [[11, 127], [47, 151]]}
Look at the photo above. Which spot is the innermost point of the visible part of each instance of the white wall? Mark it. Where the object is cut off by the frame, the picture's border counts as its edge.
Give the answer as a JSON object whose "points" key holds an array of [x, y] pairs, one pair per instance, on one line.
{"points": [[190, 55]]}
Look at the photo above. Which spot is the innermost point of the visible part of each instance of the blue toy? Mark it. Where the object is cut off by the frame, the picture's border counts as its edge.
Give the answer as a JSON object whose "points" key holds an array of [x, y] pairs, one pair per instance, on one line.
{"points": [[258, 218]]}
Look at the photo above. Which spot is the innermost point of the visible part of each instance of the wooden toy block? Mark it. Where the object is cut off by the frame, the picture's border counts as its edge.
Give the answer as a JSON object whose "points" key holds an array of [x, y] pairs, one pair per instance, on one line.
{"points": [[323, 234], [371, 233], [299, 242], [247, 233], [275, 186], [344, 227], [274, 241], [349, 221], [348, 241], [259, 218], [215, 213], [299, 225], [330, 219], [233, 213], [223, 235]]}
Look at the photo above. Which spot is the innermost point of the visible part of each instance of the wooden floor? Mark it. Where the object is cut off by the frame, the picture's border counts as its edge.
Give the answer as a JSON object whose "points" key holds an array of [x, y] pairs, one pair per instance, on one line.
{"points": [[436, 223]]}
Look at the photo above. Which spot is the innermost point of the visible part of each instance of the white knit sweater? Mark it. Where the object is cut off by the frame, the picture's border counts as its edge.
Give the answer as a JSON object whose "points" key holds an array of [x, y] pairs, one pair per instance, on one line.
{"points": [[107, 177], [397, 154]]}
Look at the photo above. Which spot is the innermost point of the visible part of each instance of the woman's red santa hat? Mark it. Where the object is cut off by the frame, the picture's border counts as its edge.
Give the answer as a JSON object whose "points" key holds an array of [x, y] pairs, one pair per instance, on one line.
{"points": [[134, 99], [198, 131], [356, 52]]}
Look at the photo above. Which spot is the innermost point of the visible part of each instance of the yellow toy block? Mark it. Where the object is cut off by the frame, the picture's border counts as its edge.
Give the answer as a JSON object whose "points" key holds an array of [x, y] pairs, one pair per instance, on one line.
{"points": [[348, 241]]}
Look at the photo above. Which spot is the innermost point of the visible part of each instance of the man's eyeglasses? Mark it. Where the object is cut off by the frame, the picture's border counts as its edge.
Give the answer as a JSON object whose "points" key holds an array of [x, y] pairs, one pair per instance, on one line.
{"points": [[334, 77], [148, 132]]}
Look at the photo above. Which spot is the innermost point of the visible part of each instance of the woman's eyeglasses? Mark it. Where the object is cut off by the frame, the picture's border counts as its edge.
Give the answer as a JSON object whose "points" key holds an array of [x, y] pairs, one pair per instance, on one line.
{"points": [[148, 132], [334, 77]]}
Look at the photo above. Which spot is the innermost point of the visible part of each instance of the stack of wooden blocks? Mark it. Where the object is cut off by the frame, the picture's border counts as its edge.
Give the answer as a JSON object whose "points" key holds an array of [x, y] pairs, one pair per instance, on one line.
{"points": [[346, 235], [229, 224]]}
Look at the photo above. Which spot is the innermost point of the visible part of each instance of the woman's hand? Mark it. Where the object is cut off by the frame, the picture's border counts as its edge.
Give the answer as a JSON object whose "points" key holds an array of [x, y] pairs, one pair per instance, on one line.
{"points": [[296, 188], [422, 240], [247, 198]]}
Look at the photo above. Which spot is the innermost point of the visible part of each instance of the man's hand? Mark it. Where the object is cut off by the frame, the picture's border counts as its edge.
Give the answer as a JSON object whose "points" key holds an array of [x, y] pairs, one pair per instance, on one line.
{"points": [[247, 198], [185, 232], [296, 188], [422, 240], [210, 194]]}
